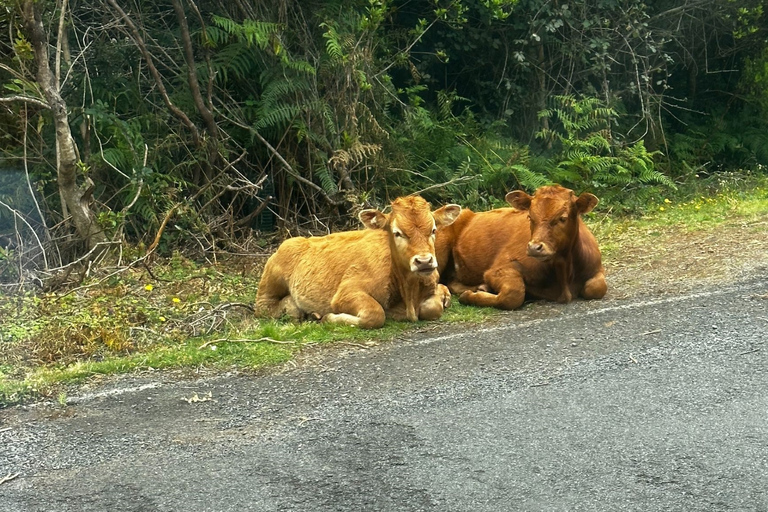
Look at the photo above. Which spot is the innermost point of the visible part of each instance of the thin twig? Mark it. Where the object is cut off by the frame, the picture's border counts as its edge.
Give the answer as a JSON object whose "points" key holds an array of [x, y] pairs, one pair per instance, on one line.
{"points": [[657, 331], [6, 429], [234, 305], [85, 256], [460, 179], [258, 340], [118, 271], [160, 230], [25, 99], [350, 343], [750, 351], [29, 184], [20, 216], [9, 477]]}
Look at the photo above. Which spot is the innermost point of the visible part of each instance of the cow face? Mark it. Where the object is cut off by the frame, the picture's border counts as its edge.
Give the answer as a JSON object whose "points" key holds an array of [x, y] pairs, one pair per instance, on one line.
{"points": [[554, 214], [412, 227]]}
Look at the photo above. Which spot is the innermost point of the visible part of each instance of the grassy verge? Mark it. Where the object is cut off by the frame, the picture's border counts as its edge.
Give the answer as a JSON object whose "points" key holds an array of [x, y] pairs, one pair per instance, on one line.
{"points": [[186, 315], [687, 213], [181, 316]]}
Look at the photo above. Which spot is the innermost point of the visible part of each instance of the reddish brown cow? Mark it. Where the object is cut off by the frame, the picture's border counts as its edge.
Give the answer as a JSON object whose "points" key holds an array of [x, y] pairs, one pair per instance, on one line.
{"points": [[361, 277], [540, 248]]}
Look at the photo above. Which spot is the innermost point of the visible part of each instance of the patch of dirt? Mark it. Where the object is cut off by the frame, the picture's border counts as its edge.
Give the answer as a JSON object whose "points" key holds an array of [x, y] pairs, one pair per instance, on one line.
{"points": [[677, 260]]}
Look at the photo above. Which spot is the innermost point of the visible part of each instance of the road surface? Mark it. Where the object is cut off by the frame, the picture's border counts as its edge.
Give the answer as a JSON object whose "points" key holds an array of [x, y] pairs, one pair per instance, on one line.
{"points": [[645, 404]]}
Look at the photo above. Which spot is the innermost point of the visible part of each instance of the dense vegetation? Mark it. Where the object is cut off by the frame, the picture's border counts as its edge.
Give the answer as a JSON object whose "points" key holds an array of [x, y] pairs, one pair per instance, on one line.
{"points": [[194, 124]]}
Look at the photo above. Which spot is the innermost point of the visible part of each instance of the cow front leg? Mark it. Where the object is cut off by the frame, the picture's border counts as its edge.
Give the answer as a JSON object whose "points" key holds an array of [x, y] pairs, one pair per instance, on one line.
{"points": [[432, 307], [510, 290], [595, 287], [356, 308], [564, 275], [273, 298]]}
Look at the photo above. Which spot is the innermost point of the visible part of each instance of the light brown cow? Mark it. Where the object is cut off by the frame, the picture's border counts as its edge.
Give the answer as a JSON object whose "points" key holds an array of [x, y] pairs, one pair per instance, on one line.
{"points": [[540, 248], [361, 277]]}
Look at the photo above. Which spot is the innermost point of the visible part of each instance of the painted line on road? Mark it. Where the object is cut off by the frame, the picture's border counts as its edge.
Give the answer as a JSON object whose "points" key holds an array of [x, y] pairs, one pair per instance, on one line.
{"points": [[592, 312], [112, 392]]}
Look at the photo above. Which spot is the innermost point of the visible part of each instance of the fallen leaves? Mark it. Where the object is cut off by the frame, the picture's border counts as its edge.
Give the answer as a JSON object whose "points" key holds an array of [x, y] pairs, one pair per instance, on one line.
{"points": [[195, 398]]}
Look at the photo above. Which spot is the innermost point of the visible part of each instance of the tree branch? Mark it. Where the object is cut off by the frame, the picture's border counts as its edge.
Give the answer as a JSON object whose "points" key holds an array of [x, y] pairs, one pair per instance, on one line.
{"points": [[176, 111], [25, 99], [189, 56]]}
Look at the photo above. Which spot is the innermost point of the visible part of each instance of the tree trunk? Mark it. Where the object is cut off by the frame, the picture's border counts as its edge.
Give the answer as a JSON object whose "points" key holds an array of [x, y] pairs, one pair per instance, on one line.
{"points": [[76, 199]]}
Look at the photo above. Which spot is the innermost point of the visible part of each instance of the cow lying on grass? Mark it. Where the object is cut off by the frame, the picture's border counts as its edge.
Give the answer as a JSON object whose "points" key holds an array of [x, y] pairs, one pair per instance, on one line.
{"points": [[540, 248], [361, 277]]}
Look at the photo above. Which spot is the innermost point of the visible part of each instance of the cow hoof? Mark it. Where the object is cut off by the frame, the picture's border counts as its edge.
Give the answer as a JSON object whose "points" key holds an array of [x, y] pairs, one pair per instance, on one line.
{"points": [[445, 295], [315, 317], [483, 288], [466, 297]]}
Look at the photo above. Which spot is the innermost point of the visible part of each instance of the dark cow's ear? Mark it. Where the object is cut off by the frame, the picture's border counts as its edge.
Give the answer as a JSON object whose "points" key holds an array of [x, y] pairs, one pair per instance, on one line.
{"points": [[519, 200], [586, 202], [373, 219], [446, 215]]}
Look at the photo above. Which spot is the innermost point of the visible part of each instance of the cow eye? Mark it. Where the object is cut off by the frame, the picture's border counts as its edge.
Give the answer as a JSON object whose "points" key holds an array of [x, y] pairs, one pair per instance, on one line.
{"points": [[397, 234], [563, 219], [434, 231]]}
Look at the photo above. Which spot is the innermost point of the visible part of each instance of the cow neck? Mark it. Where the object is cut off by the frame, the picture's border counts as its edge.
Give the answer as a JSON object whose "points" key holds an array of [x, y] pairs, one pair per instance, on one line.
{"points": [[565, 259], [407, 285], [577, 247]]}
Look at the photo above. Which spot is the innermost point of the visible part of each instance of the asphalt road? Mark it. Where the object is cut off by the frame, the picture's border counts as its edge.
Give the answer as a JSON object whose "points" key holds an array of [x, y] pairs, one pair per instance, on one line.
{"points": [[647, 404]]}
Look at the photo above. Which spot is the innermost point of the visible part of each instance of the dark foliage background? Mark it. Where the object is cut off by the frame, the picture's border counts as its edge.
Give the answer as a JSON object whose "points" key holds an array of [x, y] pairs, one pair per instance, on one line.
{"points": [[217, 122]]}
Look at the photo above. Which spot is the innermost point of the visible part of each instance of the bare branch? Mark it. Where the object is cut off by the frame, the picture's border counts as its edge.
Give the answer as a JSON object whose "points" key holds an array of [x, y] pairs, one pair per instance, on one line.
{"points": [[21, 217], [176, 111], [460, 179], [189, 56], [25, 99]]}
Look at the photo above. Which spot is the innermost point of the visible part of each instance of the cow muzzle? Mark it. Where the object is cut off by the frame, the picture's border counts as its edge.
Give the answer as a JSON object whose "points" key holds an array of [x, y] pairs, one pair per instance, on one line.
{"points": [[540, 250], [423, 263]]}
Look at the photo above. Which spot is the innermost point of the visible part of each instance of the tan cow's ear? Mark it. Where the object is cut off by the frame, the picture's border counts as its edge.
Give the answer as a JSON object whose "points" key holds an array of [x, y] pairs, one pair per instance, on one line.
{"points": [[373, 219], [446, 215], [586, 202], [518, 200]]}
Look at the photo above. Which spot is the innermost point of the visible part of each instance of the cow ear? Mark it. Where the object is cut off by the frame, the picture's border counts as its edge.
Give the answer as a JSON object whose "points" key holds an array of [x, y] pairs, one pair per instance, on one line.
{"points": [[519, 200], [373, 219], [586, 202], [446, 215]]}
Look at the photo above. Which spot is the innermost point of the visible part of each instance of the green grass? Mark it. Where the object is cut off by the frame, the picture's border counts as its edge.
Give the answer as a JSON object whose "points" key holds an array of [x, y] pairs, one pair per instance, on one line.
{"points": [[136, 321], [248, 343], [691, 212]]}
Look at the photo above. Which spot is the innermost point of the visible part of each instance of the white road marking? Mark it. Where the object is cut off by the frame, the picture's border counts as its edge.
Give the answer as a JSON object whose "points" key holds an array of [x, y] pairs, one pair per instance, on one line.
{"points": [[607, 309], [112, 392]]}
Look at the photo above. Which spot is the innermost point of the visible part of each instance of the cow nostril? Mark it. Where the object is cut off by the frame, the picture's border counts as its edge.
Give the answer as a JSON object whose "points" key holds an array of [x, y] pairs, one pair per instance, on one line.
{"points": [[534, 246], [424, 261]]}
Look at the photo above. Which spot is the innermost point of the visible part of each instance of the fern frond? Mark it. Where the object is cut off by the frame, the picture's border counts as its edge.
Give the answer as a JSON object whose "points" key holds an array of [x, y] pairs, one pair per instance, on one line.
{"points": [[333, 46], [326, 180]]}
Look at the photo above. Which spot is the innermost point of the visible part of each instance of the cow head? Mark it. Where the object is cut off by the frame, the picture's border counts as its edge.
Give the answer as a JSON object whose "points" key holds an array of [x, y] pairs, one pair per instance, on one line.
{"points": [[554, 214], [412, 226]]}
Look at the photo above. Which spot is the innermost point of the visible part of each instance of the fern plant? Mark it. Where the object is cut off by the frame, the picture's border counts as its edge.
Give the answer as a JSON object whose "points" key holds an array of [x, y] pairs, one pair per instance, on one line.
{"points": [[588, 155]]}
